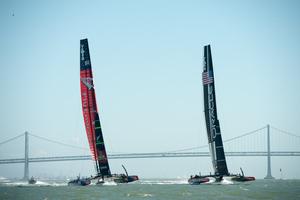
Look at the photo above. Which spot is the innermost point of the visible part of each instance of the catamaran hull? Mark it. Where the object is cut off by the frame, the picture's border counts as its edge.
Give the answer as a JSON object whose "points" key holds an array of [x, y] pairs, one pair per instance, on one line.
{"points": [[132, 178], [242, 178], [125, 179], [79, 182], [117, 178], [213, 179], [198, 181], [32, 181]]}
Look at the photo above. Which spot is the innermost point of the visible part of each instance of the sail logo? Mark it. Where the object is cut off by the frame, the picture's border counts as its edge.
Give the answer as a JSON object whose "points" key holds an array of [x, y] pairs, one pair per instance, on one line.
{"points": [[103, 168], [86, 114], [211, 110], [207, 77], [88, 82], [102, 156], [82, 52], [82, 58]]}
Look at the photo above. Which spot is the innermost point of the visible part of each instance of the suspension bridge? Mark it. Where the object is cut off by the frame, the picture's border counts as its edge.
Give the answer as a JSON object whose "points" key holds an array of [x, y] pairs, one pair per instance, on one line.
{"points": [[266, 141]]}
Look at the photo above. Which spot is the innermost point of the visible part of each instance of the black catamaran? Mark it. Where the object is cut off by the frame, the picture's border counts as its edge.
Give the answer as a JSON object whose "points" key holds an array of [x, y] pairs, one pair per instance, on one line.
{"points": [[213, 129], [32, 181], [92, 124]]}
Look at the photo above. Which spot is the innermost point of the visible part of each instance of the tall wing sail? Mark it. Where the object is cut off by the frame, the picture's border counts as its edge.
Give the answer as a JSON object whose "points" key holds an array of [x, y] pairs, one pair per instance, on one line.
{"points": [[212, 123], [90, 113]]}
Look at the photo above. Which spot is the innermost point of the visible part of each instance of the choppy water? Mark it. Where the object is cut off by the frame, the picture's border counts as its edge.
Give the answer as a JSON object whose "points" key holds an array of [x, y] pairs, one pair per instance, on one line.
{"points": [[165, 189]]}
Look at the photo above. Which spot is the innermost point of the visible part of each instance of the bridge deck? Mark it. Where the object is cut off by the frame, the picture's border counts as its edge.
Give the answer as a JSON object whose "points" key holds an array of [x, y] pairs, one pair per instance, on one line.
{"points": [[148, 155]]}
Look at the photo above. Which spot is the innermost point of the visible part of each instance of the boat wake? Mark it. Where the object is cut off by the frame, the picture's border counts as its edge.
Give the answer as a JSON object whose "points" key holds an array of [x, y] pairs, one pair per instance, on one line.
{"points": [[109, 183], [227, 181], [211, 181], [106, 183], [4, 180], [139, 195], [164, 181], [21, 183], [25, 183]]}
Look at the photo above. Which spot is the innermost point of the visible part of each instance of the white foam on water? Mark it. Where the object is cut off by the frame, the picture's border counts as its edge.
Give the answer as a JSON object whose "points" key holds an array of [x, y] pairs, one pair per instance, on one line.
{"points": [[244, 188], [19, 183], [139, 195], [164, 182], [109, 183], [4, 180], [226, 181], [41, 183], [37, 184], [147, 195], [93, 183], [59, 184], [211, 180]]}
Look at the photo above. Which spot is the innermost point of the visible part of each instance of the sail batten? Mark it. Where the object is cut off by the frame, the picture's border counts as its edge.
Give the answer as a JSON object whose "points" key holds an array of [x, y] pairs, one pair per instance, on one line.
{"points": [[210, 111], [90, 112]]}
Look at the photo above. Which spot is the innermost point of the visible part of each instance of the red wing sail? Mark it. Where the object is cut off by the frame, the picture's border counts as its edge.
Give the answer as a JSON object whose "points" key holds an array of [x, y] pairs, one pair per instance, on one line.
{"points": [[90, 113]]}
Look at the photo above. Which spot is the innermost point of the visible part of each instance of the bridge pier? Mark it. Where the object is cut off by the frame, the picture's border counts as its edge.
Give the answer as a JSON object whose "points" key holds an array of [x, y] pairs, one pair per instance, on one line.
{"points": [[26, 161], [269, 175]]}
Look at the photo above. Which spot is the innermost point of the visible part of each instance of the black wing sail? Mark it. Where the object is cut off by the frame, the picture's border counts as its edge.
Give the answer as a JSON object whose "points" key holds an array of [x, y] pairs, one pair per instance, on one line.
{"points": [[212, 123]]}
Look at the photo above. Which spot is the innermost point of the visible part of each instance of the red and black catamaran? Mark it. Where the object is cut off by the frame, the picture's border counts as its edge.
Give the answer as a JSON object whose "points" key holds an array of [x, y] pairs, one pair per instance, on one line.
{"points": [[213, 129], [92, 122]]}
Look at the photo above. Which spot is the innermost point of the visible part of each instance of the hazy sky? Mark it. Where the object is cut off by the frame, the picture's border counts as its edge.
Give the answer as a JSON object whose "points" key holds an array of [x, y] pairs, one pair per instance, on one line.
{"points": [[147, 64]]}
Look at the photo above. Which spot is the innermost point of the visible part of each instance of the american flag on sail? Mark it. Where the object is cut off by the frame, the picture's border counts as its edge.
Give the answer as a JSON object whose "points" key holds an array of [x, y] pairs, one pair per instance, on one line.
{"points": [[207, 77]]}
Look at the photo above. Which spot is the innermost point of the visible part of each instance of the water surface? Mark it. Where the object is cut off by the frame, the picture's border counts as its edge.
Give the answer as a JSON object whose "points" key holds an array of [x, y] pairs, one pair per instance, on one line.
{"points": [[156, 189]]}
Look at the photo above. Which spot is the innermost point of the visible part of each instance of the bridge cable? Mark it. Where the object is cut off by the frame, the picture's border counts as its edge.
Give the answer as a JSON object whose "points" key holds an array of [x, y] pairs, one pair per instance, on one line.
{"points": [[56, 142], [186, 149], [285, 132], [228, 140], [12, 139], [249, 133]]}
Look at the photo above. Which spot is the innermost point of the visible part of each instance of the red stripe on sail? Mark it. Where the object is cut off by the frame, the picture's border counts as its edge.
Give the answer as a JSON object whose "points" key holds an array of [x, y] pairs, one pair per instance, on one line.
{"points": [[88, 108], [206, 78]]}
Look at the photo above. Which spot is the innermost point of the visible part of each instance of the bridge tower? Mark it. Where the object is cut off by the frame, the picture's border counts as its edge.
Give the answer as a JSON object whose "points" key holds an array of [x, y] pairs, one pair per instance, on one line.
{"points": [[269, 175], [26, 163]]}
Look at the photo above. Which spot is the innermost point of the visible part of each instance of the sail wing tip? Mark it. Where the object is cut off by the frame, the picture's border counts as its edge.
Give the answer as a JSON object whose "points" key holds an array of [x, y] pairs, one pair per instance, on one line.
{"points": [[83, 41]]}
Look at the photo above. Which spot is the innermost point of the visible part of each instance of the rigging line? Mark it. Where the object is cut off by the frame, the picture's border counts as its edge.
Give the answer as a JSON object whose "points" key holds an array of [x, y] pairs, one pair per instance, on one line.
{"points": [[285, 132], [12, 139], [249, 133], [56, 142]]}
